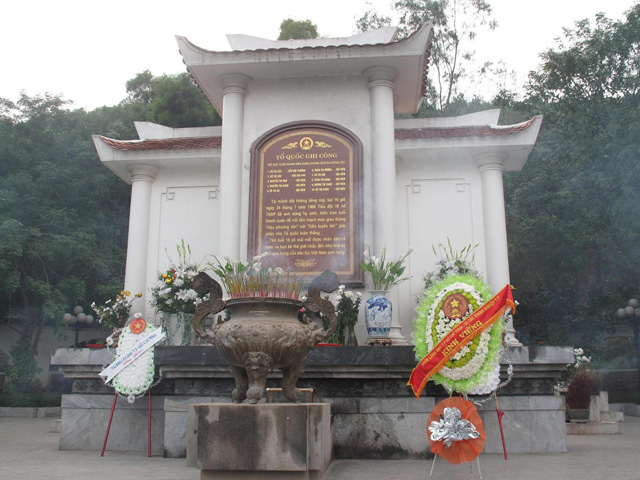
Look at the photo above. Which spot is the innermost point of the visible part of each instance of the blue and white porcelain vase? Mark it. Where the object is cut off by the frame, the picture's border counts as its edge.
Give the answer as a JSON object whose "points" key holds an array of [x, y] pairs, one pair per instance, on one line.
{"points": [[377, 314]]}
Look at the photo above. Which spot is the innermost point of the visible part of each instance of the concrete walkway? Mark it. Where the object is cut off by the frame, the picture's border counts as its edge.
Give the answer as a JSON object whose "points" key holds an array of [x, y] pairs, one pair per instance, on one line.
{"points": [[29, 452]]}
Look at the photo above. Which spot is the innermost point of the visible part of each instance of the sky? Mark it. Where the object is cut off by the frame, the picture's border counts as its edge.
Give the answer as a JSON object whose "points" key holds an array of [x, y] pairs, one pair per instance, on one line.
{"points": [[86, 50]]}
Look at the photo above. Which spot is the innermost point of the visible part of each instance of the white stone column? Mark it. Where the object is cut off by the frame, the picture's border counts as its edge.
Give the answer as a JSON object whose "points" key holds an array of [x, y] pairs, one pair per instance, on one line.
{"points": [[383, 176], [491, 166], [135, 276], [230, 196]]}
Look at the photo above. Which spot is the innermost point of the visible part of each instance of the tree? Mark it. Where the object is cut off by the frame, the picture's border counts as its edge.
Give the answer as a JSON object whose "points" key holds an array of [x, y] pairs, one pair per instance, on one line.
{"points": [[62, 217], [573, 211], [454, 23], [297, 29], [170, 100]]}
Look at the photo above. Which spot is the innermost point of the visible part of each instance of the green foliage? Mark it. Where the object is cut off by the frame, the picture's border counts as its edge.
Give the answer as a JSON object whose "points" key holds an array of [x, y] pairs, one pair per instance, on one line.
{"points": [[62, 214], [384, 273], [347, 312], [572, 212], [37, 399], [297, 29], [24, 368], [455, 23], [170, 100], [372, 20]]}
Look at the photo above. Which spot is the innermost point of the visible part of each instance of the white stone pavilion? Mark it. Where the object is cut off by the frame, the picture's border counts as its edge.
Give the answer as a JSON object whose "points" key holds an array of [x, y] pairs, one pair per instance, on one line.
{"points": [[422, 181]]}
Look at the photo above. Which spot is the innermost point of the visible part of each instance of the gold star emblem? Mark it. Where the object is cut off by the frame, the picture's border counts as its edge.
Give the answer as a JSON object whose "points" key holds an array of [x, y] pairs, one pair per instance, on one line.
{"points": [[306, 143], [455, 303]]}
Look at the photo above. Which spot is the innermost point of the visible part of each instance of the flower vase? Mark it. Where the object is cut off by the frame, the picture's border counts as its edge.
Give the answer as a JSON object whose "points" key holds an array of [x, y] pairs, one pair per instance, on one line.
{"points": [[351, 340], [377, 314], [177, 327]]}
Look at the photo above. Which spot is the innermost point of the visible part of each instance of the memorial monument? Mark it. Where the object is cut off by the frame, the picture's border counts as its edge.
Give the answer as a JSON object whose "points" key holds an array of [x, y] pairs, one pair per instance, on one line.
{"points": [[310, 165]]}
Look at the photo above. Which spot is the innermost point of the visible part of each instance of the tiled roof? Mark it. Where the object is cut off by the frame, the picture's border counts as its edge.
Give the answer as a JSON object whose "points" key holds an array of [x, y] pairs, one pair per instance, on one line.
{"points": [[164, 144], [457, 132], [400, 134]]}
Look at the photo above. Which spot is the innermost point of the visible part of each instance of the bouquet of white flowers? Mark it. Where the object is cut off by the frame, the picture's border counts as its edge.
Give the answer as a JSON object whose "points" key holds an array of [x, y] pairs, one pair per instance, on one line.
{"points": [[173, 291]]}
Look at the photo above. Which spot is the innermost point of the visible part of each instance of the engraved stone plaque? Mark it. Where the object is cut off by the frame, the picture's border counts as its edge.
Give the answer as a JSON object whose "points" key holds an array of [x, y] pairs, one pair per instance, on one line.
{"points": [[306, 205]]}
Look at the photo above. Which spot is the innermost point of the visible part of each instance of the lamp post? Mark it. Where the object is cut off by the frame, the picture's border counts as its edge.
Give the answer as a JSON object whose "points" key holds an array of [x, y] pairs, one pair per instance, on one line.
{"points": [[632, 314], [77, 321]]}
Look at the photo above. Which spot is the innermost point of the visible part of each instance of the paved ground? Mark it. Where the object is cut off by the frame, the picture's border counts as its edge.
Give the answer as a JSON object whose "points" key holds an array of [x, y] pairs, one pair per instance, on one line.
{"points": [[29, 452]]}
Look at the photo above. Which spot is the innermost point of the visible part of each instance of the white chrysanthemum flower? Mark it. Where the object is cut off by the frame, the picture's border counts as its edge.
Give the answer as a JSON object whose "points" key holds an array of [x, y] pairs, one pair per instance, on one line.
{"points": [[131, 398], [348, 294], [178, 282]]}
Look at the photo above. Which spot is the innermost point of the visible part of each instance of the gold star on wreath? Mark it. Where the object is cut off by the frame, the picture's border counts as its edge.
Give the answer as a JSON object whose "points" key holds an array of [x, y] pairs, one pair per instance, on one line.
{"points": [[138, 325]]}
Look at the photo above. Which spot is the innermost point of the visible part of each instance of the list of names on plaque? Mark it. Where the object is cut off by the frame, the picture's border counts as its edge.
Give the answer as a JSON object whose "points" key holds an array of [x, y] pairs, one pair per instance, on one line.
{"points": [[306, 218]]}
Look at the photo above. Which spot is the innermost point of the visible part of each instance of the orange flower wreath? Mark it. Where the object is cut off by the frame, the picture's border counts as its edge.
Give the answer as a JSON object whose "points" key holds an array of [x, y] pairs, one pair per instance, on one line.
{"points": [[463, 450]]}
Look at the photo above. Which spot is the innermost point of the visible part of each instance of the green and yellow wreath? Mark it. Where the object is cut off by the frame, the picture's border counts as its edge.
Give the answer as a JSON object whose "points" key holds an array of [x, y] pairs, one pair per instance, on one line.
{"points": [[475, 368]]}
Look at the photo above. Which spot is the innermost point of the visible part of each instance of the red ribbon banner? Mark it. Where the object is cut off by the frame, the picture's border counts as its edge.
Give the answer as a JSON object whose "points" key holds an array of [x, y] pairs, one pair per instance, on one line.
{"points": [[463, 333]]}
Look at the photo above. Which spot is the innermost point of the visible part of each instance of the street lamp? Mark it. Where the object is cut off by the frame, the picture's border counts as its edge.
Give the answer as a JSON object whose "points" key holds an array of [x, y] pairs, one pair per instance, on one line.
{"points": [[77, 321], [632, 314]]}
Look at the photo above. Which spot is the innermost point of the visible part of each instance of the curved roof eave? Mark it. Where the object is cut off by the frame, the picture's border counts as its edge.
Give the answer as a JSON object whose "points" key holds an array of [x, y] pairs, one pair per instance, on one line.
{"points": [[409, 56], [515, 142]]}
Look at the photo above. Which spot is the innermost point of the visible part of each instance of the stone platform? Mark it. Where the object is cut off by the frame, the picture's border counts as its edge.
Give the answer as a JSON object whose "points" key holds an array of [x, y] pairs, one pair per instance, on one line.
{"points": [[272, 440], [374, 413]]}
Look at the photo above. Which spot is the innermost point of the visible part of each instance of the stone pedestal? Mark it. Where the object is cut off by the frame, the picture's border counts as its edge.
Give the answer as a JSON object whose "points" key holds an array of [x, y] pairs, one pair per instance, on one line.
{"points": [[259, 441]]}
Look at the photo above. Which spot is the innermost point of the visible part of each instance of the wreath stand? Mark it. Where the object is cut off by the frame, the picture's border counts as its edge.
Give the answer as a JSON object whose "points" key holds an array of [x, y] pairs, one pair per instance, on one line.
{"points": [[113, 407], [433, 464]]}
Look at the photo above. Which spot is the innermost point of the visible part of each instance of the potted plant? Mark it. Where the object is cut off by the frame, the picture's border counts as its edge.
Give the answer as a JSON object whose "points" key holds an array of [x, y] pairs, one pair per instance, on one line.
{"points": [[385, 274], [583, 383], [347, 311], [174, 297]]}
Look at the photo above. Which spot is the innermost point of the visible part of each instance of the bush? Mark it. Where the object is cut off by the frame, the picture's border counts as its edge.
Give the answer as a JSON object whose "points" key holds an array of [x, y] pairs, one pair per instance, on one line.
{"points": [[582, 385], [23, 369], [28, 399]]}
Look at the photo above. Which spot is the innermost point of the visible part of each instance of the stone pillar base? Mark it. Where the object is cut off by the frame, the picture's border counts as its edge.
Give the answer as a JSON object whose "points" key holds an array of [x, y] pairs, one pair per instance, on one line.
{"points": [[266, 441]]}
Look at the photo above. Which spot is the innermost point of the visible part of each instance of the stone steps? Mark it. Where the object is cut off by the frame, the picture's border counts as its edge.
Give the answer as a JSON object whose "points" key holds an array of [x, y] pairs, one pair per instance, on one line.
{"points": [[593, 428]]}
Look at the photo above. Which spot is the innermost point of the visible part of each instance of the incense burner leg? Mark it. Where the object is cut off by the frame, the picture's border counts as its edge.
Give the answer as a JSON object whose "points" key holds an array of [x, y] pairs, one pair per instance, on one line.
{"points": [[242, 384], [258, 365], [291, 375]]}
